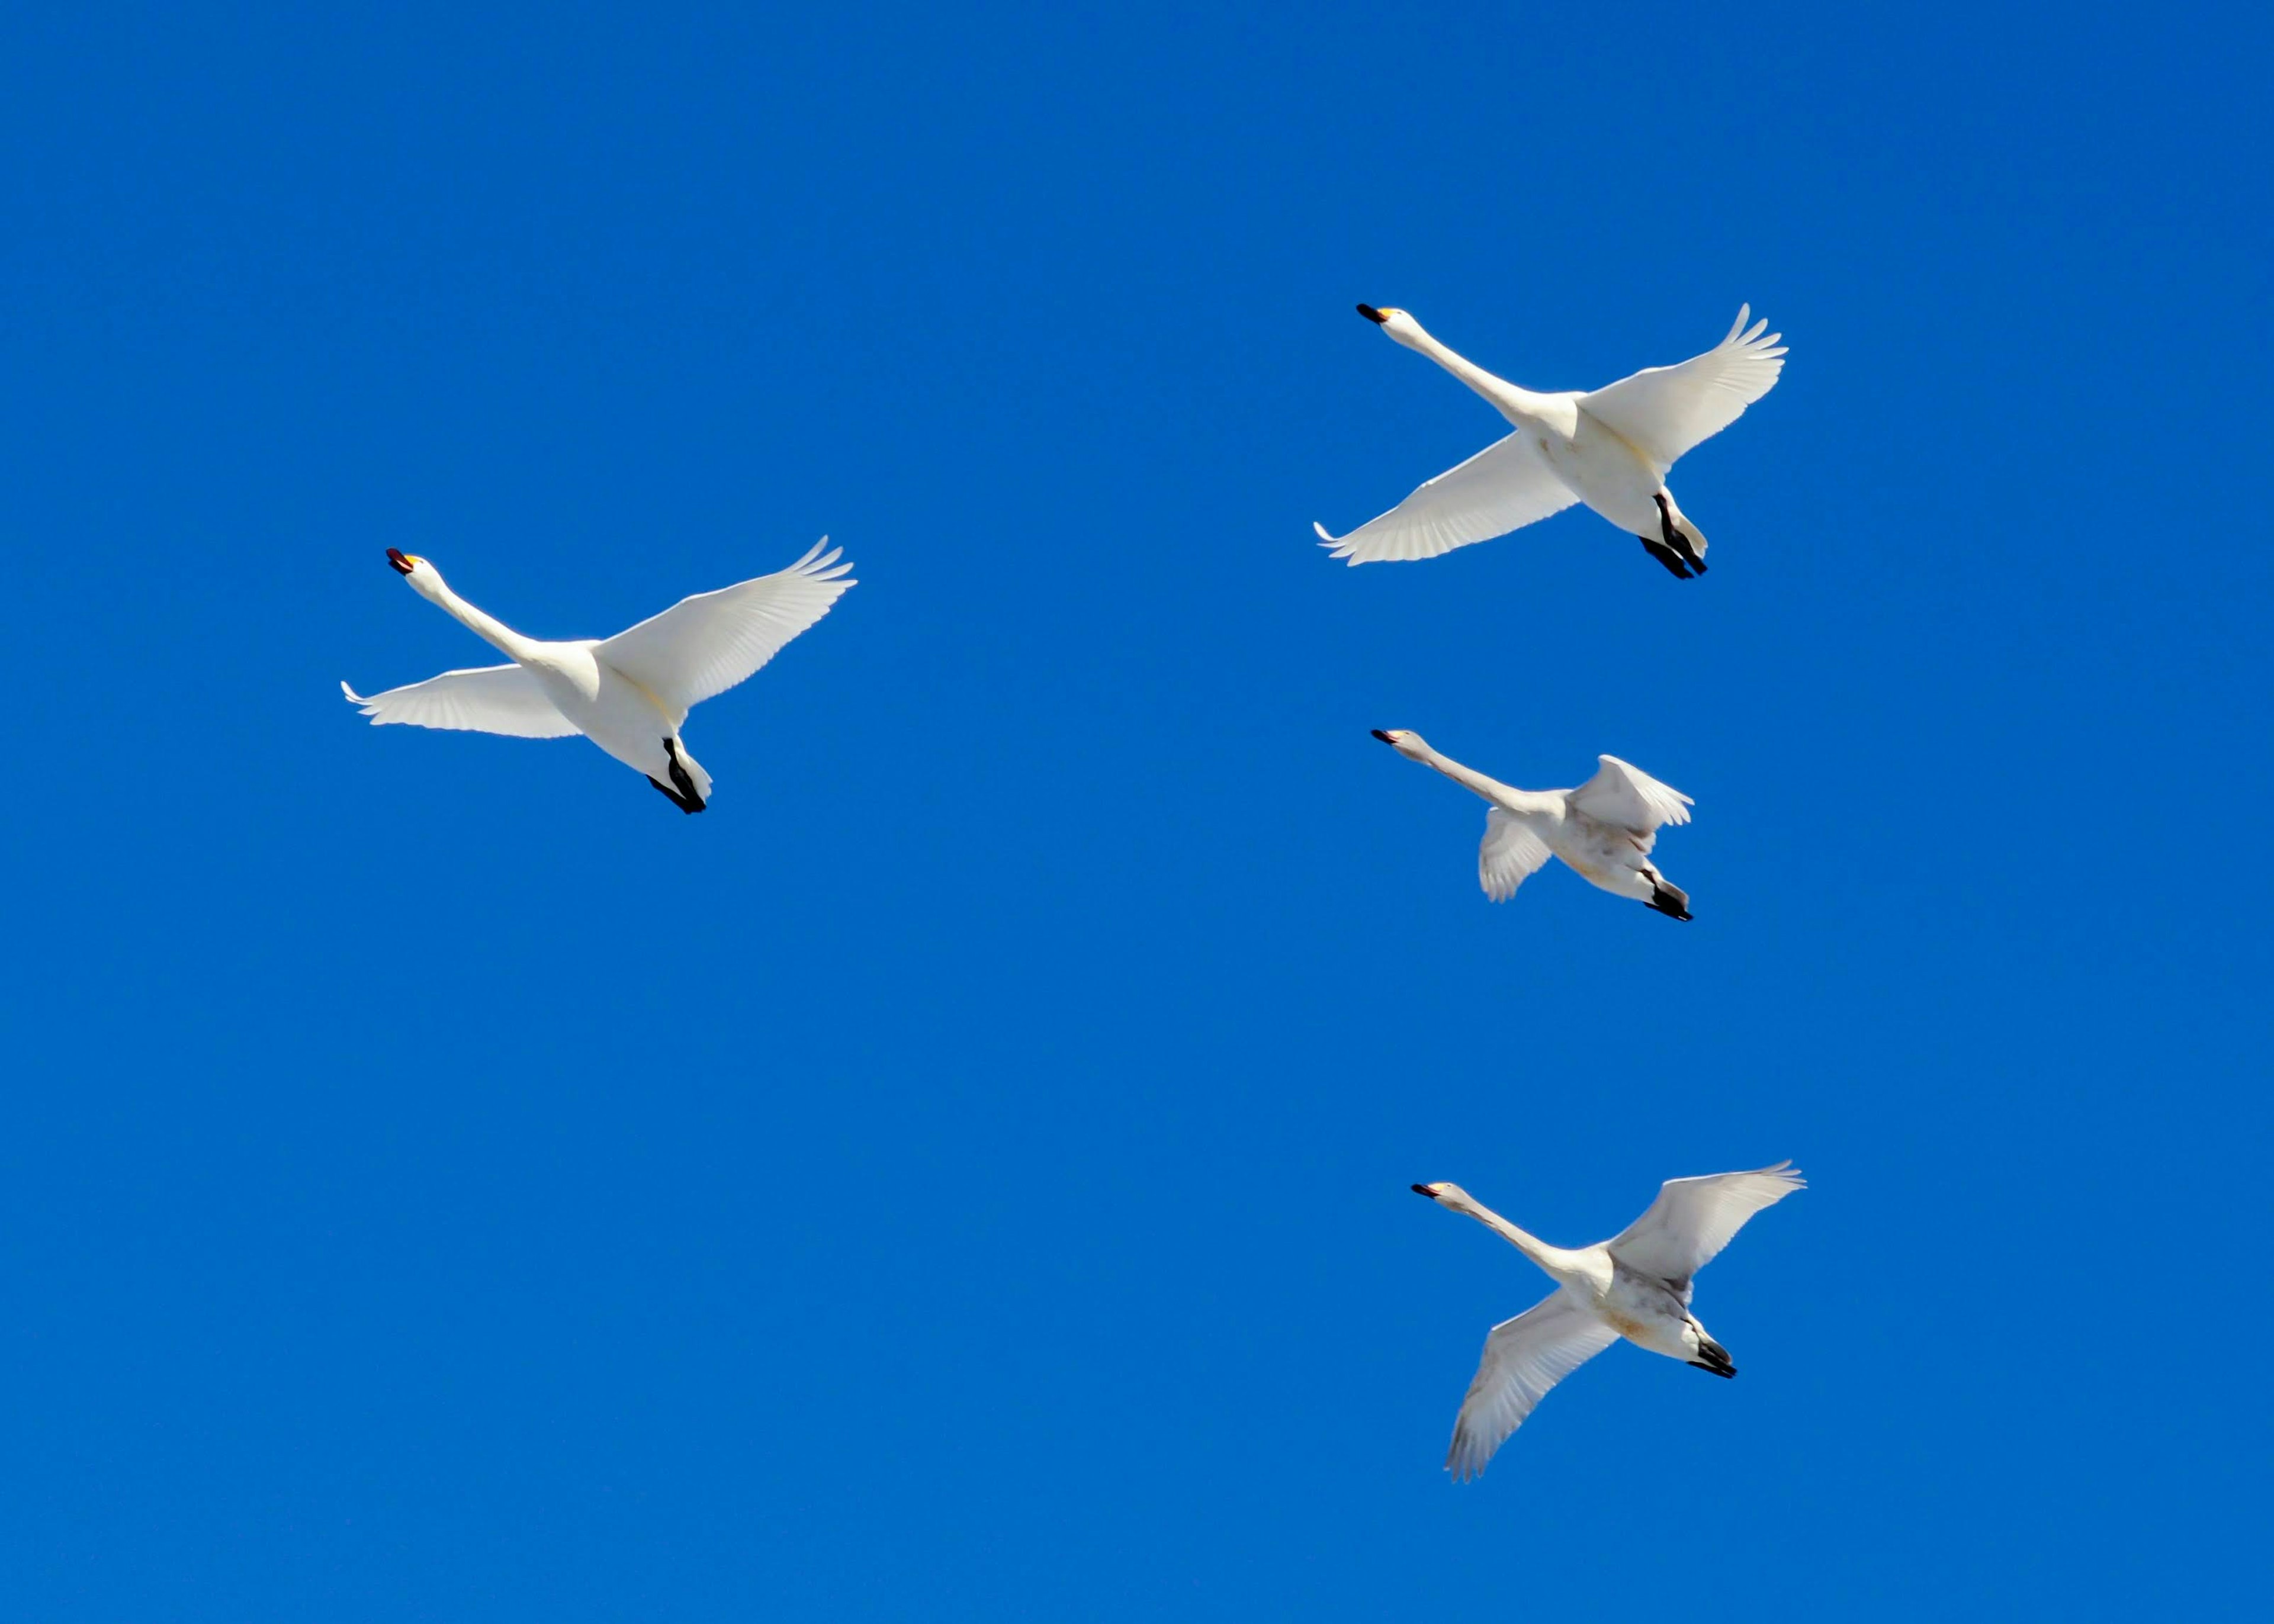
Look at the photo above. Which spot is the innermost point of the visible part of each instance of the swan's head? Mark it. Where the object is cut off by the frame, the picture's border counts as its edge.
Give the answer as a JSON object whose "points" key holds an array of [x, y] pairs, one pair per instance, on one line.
{"points": [[422, 576], [1407, 742], [1394, 322]]}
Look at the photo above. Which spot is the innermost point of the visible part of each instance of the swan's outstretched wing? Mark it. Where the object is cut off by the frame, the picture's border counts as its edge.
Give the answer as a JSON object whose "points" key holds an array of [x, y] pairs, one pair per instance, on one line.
{"points": [[1510, 854], [1664, 410], [1628, 798], [1504, 488], [1694, 1218], [705, 645], [1524, 1357], [490, 699]]}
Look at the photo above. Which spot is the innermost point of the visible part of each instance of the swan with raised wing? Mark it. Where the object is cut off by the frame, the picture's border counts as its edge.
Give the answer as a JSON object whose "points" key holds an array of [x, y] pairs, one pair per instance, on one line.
{"points": [[628, 693], [1606, 829], [1635, 1285], [1609, 447]]}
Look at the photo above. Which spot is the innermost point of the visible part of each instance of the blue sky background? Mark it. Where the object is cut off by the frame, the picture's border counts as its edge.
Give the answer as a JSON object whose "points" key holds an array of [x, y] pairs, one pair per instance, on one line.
{"points": [[963, 1174]]}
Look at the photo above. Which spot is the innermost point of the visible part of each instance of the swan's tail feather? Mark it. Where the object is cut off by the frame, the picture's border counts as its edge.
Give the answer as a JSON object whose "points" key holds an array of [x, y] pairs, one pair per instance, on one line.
{"points": [[690, 787], [1681, 536], [1691, 542]]}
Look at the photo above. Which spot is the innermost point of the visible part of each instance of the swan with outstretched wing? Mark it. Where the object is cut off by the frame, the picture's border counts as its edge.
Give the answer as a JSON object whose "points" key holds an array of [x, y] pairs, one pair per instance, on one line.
{"points": [[1636, 1285], [628, 693], [1606, 829], [1610, 448]]}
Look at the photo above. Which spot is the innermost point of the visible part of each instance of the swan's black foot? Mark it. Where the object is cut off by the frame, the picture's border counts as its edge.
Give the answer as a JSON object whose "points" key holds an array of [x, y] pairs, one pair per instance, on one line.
{"points": [[1666, 556], [1670, 900], [1714, 1357], [676, 799], [682, 790], [1676, 542]]}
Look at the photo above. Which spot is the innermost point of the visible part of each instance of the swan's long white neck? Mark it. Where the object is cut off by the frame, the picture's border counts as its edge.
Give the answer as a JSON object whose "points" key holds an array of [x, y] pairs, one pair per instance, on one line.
{"points": [[1519, 405], [1500, 794], [488, 627], [1553, 1259]]}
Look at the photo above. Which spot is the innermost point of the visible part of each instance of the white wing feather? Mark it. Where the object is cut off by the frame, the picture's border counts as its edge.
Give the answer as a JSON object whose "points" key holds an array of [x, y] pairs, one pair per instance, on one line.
{"points": [[1504, 488], [704, 645], [1524, 1357], [1664, 410], [1510, 854], [488, 699], [1626, 797], [1694, 1218]]}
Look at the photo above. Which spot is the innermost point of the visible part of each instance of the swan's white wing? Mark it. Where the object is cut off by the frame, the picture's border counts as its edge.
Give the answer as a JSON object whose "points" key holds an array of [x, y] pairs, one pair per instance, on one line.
{"points": [[1694, 1218], [490, 699], [705, 645], [1664, 410], [1628, 798], [1504, 488], [1510, 854], [1524, 1357]]}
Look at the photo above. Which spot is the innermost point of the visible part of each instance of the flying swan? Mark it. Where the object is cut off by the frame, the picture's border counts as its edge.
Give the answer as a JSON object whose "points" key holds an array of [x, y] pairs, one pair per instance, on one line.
{"points": [[628, 693], [1605, 827], [1610, 449], [1635, 1285]]}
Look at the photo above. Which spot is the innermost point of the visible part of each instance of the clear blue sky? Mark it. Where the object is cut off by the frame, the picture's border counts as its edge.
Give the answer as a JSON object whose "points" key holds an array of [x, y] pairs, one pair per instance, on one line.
{"points": [[963, 1174]]}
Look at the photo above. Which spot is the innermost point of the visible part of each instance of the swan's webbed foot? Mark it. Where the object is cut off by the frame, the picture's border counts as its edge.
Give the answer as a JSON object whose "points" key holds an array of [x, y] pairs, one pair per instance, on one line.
{"points": [[1670, 900], [1714, 1358], [1666, 556], [682, 789], [1675, 541], [675, 798]]}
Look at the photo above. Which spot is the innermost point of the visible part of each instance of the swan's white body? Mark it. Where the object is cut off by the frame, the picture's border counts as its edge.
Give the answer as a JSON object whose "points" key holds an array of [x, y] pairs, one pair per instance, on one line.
{"points": [[1606, 829], [628, 693], [1610, 449], [1636, 1286]]}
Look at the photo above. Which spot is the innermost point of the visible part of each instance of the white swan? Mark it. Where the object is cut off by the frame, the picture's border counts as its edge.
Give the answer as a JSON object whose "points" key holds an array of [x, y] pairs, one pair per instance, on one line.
{"points": [[1610, 449], [1605, 829], [628, 693], [1636, 1285]]}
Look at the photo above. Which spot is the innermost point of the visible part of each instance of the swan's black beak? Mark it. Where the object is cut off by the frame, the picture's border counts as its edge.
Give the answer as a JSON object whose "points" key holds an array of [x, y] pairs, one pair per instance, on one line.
{"points": [[1428, 1189], [1385, 738], [1372, 314], [401, 564]]}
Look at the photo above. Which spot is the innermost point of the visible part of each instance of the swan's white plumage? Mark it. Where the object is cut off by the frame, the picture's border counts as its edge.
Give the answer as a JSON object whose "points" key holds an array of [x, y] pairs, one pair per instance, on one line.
{"points": [[1610, 450], [1524, 1357], [628, 693], [1692, 1218], [1662, 411], [1509, 854], [1626, 797], [1636, 1286], [1504, 488], [486, 699], [1605, 830], [704, 645]]}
